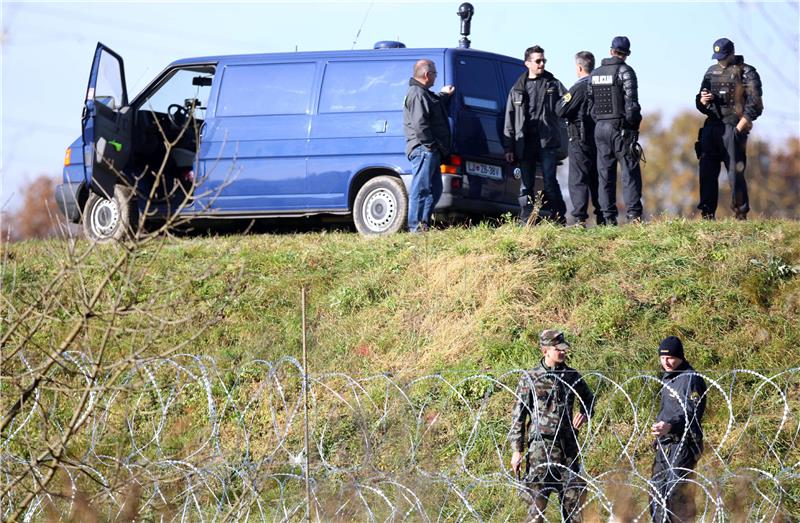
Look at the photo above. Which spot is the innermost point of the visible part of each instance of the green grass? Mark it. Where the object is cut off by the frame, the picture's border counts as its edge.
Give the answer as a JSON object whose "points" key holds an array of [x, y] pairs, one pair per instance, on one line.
{"points": [[450, 301]]}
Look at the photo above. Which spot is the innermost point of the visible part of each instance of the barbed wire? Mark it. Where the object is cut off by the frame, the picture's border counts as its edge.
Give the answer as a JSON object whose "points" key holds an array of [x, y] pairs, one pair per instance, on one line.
{"points": [[201, 442]]}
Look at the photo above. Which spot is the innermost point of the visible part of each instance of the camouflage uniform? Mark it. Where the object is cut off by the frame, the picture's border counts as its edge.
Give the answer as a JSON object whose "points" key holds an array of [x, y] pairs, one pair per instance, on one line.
{"points": [[542, 424]]}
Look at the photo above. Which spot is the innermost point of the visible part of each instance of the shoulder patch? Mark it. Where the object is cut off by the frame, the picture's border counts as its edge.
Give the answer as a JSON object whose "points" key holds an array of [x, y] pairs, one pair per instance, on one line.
{"points": [[566, 98]]}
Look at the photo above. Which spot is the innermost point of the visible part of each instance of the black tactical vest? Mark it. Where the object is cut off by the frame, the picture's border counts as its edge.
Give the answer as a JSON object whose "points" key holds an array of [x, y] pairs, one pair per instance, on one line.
{"points": [[609, 100], [581, 127], [726, 86]]}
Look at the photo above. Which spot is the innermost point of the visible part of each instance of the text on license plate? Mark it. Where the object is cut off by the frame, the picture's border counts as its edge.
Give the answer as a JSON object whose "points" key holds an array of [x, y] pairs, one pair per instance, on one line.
{"points": [[495, 172]]}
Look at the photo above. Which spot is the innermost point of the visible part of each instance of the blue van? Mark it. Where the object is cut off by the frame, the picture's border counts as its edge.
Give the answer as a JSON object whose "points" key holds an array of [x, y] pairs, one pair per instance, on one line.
{"points": [[282, 135]]}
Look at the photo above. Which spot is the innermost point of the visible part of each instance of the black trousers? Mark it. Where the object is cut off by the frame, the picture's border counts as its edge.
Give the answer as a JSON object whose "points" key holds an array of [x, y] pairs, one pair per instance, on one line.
{"points": [[672, 496], [610, 151], [722, 143], [582, 180], [553, 206]]}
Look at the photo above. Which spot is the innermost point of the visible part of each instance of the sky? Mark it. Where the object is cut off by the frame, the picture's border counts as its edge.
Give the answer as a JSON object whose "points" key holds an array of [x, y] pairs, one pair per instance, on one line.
{"points": [[46, 49]]}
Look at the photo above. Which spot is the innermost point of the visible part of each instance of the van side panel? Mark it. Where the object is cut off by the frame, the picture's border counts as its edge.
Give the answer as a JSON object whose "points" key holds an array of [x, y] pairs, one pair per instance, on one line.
{"points": [[254, 146], [358, 125], [343, 145]]}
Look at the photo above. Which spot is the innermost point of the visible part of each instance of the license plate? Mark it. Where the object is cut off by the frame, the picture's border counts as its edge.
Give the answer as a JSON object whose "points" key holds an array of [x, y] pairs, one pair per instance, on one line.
{"points": [[493, 172]]}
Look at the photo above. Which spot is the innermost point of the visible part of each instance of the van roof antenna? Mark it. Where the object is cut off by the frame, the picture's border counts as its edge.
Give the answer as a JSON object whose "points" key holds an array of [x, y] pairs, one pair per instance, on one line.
{"points": [[364, 21], [465, 12]]}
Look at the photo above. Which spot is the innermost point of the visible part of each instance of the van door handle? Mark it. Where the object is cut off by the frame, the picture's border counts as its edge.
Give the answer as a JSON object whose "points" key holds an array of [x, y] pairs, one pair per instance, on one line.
{"points": [[380, 126]]}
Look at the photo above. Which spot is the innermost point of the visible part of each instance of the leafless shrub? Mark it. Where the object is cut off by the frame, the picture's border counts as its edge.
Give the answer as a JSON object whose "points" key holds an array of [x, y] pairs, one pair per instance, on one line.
{"points": [[74, 344]]}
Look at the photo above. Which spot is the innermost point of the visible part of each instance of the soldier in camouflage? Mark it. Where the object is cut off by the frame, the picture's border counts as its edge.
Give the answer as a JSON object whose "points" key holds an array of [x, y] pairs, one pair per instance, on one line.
{"points": [[543, 425]]}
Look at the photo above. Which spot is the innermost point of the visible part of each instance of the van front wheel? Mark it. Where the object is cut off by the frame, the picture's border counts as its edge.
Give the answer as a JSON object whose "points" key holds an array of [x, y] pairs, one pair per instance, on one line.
{"points": [[105, 220], [381, 206]]}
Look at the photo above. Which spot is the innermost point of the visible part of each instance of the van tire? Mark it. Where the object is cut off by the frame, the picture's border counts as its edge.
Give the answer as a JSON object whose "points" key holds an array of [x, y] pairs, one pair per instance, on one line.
{"points": [[381, 206], [107, 220]]}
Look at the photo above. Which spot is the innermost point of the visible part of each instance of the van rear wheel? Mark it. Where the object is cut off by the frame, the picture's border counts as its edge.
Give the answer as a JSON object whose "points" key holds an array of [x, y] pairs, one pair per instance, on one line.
{"points": [[106, 220], [381, 206]]}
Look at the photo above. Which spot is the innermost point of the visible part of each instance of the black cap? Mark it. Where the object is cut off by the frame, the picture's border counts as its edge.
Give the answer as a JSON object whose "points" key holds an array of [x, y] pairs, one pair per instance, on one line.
{"points": [[722, 48], [671, 346], [621, 44]]}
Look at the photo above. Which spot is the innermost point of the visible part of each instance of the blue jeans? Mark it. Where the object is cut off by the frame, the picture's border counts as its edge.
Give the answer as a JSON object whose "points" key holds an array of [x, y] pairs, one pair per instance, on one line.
{"points": [[426, 186]]}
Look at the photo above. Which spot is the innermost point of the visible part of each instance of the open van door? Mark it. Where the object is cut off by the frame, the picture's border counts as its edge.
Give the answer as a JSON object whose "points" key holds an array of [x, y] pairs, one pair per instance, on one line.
{"points": [[106, 122]]}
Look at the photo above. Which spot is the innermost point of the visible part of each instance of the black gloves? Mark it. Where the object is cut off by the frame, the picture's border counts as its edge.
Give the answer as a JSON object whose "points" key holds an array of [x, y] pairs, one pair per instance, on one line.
{"points": [[631, 146]]}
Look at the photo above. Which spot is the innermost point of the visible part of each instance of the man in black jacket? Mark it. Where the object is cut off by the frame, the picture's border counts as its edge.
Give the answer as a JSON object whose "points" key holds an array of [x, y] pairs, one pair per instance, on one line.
{"points": [[427, 131], [614, 95], [531, 135], [679, 435], [730, 97], [574, 106]]}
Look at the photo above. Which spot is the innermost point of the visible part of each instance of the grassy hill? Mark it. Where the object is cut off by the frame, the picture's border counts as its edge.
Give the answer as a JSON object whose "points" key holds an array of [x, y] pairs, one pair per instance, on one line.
{"points": [[464, 300], [470, 298]]}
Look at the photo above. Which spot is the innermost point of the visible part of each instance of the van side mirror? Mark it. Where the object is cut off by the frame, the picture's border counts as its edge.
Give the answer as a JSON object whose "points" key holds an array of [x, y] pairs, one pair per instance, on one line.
{"points": [[108, 101], [202, 81]]}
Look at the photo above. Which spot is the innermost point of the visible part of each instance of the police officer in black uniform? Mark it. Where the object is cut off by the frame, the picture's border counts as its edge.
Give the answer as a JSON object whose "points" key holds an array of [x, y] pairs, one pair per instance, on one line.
{"points": [[574, 106], [730, 97], [613, 93], [679, 435]]}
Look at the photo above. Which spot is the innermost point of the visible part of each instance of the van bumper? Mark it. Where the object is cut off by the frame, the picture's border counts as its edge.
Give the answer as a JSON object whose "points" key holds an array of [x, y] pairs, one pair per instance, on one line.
{"points": [[67, 197], [453, 204]]}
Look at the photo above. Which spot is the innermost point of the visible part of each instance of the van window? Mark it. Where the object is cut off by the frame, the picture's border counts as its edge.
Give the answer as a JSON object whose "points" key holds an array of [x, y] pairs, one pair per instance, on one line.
{"points": [[365, 86], [182, 87], [266, 89], [511, 73], [477, 81], [108, 89]]}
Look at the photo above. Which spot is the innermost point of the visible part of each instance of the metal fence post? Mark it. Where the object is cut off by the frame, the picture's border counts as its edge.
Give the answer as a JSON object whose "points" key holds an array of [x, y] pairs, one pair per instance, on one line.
{"points": [[305, 406]]}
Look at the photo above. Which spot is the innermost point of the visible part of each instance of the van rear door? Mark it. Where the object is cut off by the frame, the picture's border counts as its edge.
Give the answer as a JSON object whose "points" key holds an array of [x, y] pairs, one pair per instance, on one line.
{"points": [[106, 122], [479, 128]]}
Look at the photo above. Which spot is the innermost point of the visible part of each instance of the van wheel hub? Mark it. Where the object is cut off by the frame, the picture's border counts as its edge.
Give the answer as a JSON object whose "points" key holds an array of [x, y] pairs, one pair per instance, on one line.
{"points": [[380, 209], [105, 217]]}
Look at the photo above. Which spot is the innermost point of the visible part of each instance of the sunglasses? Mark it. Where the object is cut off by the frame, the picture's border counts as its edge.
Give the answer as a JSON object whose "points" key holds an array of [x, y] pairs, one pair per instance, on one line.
{"points": [[540, 61]]}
